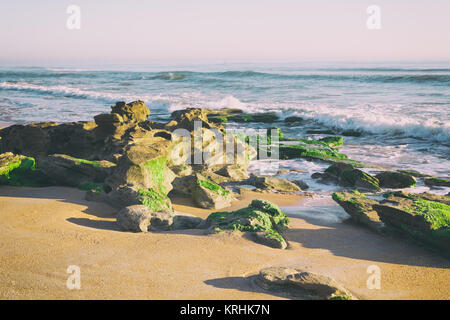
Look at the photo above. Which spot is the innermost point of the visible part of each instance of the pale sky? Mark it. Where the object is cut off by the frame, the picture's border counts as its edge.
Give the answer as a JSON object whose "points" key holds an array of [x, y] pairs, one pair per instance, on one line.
{"points": [[137, 31]]}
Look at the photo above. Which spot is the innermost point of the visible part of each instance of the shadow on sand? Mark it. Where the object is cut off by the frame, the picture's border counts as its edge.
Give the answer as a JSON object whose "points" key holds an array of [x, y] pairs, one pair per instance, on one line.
{"points": [[341, 239]]}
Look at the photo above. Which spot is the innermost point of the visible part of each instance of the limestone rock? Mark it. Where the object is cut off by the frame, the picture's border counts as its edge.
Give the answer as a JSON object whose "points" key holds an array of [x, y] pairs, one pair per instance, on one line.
{"points": [[70, 171], [140, 218], [263, 219], [394, 179], [272, 184], [209, 195], [300, 283], [359, 207]]}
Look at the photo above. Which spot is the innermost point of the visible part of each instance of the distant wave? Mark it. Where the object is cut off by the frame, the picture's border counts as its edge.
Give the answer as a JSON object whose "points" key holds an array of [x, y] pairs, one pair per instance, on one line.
{"points": [[64, 91]]}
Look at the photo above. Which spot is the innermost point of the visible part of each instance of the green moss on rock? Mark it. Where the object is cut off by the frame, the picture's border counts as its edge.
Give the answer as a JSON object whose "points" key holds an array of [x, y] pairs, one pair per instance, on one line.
{"points": [[210, 185], [154, 200], [259, 217]]}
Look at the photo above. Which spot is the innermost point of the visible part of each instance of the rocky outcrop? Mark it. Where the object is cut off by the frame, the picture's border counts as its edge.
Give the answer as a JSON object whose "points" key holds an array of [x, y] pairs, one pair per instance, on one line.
{"points": [[437, 182], [395, 179], [348, 176], [18, 170], [69, 171], [423, 217], [301, 284], [360, 209], [424, 220], [262, 219], [209, 195], [140, 218]]}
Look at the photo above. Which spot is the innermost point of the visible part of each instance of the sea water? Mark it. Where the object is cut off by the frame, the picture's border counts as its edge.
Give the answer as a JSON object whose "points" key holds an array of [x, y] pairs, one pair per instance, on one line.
{"points": [[401, 110]]}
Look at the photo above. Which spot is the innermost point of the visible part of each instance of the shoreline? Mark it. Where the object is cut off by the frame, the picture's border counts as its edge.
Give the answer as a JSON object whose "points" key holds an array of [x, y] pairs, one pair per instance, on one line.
{"points": [[45, 230]]}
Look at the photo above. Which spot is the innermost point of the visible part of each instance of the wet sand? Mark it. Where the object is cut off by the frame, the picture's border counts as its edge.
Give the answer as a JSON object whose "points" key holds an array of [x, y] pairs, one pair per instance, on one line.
{"points": [[44, 230]]}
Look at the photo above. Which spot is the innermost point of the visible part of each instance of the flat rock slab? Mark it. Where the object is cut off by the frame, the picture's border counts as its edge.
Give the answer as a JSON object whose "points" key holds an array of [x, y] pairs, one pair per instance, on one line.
{"points": [[302, 284]]}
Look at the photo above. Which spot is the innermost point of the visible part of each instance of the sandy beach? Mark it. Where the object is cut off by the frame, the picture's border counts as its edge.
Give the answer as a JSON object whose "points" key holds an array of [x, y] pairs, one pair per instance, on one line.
{"points": [[44, 230]]}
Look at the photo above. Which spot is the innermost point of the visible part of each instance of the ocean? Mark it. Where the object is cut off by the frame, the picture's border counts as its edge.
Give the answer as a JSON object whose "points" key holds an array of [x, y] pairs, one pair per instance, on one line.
{"points": [[401, 110]]}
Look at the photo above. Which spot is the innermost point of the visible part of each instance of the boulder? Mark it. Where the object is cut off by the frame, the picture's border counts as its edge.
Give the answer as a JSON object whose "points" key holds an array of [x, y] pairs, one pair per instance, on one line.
{"points": [[360, 209], [140, 218], [294, 119], [38, 140], [69, 171], [395, 179], [423, 220], [270, 183], [360, 180], [135, 111], [314, 150], [31, 140], [183, 222], [18, 170], [209, 195], [300, 283], [234, 172], [263, 219], [347, 175], [437, 182], [142, 174]]}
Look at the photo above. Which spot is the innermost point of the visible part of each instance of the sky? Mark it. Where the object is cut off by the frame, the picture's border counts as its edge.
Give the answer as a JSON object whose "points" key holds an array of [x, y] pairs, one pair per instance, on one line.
{"points": [[170, 31]]}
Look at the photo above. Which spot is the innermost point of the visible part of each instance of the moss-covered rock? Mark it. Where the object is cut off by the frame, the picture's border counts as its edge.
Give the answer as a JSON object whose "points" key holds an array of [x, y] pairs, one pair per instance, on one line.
{"points": [[293, 119], [18, 170], [423, 220], [268, 117], [359, 207], [261, 218], [359, 179], [437, 182], [209, 195], [395, 179], [333, 141], [69, 171]]}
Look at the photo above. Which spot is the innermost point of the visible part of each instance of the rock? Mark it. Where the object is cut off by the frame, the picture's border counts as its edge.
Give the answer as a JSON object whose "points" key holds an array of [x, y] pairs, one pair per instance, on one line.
{"points": [[70, 171], [333, 141], [301, 184], [293, 119], [313, 149], [210, 195], [268, 117], [272, 184], [184, 185], [351, 133], [359, 207], [183, 222], [437, 182], [269, 240], [182, 170], [18, 170], [135, 111], [396, 180], [140, 218], [414, 173], [348, 176], [38, 140], [185, 118], [31, 140], [300, 283], [360, 180], [260, 216], [142, 174], [234, 172], [423, 220]]}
